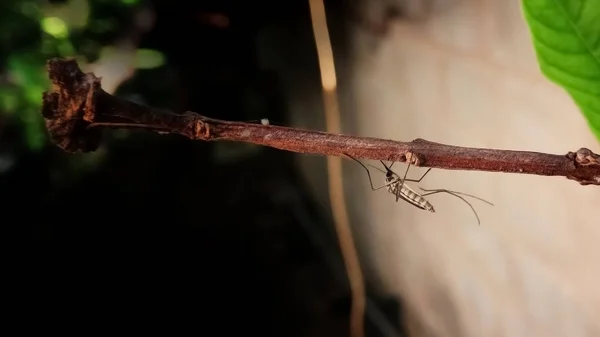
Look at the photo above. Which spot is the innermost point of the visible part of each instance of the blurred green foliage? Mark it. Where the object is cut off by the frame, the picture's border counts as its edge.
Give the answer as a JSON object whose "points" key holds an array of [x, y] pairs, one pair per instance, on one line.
{"points": [[33, 31]]}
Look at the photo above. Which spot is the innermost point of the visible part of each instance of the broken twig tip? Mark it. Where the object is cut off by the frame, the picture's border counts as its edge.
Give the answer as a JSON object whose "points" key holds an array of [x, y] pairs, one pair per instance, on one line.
{"points": [[69, 107]]}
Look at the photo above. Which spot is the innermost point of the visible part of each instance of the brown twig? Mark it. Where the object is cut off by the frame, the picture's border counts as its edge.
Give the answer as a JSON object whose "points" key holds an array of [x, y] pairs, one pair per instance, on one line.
{"points": [[77, 103]]}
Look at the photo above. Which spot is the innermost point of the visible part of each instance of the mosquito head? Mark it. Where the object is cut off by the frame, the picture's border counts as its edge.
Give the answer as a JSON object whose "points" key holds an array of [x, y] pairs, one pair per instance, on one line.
{"points": [[388, 170]]}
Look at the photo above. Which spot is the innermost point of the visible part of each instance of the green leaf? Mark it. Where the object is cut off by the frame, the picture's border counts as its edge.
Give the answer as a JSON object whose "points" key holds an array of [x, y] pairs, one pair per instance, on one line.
{"points": [[566, 37]]}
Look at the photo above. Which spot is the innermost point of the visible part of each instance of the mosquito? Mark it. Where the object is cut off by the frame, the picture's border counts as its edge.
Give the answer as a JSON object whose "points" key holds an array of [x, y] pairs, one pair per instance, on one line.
{"points": [[398, 187]]}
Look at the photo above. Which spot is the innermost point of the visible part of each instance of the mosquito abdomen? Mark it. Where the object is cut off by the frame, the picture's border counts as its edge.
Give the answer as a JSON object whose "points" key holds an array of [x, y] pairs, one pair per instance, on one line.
{"points": [[414, 198]]}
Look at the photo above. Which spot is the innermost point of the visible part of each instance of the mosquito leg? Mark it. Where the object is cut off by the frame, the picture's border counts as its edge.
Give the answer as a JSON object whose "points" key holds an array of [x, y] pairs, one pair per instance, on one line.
{"points": [[390, 173], [399, 189], [384, 185], [419, 180], [455, 192], [369, 175], [398, 193], [405, 174], [430, 192]]}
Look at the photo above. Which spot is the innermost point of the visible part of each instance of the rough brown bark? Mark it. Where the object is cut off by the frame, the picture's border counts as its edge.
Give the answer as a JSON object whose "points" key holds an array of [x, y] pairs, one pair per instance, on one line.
{"points": [[77, 109]]}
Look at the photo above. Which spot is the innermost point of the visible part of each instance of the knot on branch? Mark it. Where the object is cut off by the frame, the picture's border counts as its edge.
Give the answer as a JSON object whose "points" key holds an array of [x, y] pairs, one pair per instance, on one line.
{"points": [[413, 158], [69, 108], [586, 157], [587, 166], [200, 129]]}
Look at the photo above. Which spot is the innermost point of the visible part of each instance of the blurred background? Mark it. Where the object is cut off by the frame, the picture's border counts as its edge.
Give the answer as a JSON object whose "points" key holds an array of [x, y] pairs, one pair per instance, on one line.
{"points": [[158, 231]]}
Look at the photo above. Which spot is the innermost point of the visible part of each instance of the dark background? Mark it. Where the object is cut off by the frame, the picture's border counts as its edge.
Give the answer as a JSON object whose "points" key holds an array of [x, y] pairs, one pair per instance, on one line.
{"points": [[156, 231]]}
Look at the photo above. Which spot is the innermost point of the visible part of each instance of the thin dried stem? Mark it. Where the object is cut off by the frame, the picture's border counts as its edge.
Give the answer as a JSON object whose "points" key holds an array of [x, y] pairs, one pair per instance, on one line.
{"points": [[334, 170]]}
